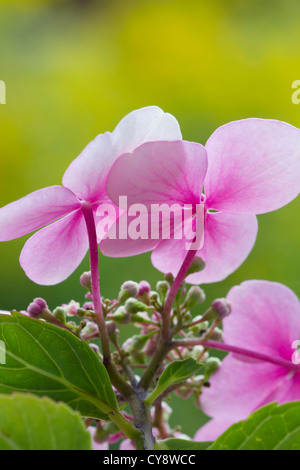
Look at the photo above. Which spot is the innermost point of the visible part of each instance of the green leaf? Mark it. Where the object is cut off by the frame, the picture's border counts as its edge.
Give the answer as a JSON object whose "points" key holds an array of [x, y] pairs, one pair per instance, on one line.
{"points": [[49, 361], [270, 428], [181, 444], [174, 373], [31, 423]]}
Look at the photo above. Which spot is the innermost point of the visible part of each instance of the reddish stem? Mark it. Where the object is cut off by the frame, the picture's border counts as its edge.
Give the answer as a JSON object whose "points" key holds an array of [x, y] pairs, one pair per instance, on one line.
{"points": [[88, 214], [237, 350], [173, 292]]}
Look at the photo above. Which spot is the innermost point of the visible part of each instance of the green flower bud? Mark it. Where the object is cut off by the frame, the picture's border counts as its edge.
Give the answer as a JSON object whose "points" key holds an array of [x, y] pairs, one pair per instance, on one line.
{"points": [[162, 288], [81, 312], [134, 306], [60, 314], [128, 289], [196, 266], [187, 317], [121, 316], [217, 335], [195, 296], [212, 364], [169, 278]]}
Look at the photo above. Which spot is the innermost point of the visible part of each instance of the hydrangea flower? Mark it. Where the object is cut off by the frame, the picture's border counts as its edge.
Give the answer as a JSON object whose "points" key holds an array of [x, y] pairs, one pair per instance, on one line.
{"points": [[265, 318], [253, 168], [54, 252]]}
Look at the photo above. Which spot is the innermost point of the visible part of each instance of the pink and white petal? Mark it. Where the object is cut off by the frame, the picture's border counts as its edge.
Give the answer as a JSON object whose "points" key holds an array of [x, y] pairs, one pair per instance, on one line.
{"points": [[86, 175], [238, 388], [254, 166], [52, 254], [159, 172], [147, 124], [270, 314], [228, 240], [35, 210]]}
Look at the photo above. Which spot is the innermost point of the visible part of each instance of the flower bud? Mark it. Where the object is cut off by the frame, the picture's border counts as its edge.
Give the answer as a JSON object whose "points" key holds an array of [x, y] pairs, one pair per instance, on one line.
{"points": [[169, 278], [121, 316], [134, 306], [144, 288], [60, 314], [212, 364], [111, 327], [95, 347], [154, 297], [90, 328], [216, 335], [162, 288], [128, 289], [86, 280], [41, 302], [195, 296], [222, 307], [196, 266], [71, 308], [184, 392], [81, 312], [36, 307], [151, 347]]}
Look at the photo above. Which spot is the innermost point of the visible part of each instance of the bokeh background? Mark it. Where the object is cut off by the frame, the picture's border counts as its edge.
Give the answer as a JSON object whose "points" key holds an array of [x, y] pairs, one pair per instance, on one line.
{"points": [[73, 69]]}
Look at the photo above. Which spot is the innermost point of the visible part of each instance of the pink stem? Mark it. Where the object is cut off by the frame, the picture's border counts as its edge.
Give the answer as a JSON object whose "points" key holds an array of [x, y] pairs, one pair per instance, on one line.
{"points": [[241, 351], [87, 211], [173, 292]]}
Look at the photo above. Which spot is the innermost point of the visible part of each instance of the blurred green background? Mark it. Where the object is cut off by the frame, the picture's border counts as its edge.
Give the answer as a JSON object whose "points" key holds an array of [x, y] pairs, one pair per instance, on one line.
{"points": [[73, 69]]}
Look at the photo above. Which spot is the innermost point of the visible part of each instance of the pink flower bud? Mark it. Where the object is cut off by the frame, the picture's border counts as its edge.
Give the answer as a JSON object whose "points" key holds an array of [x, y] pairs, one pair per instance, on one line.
{"points": [[145, 288], [36, 307], [131, 287], [222, 307], [86, 280]]}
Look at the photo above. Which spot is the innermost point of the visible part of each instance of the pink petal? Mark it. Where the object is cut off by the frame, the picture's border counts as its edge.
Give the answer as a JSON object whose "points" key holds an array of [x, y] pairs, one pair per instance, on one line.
{"points": [[212, 430], [228, 240], [270, 314], [118, 247], [254, 166], [238, 388], [87, 174], [53, 253], [35, 210], [290, 390], [159, 172]]}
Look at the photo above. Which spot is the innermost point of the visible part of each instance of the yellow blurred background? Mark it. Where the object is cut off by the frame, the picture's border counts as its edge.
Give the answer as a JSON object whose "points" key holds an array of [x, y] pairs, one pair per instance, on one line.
{"points": [[73, 69]]}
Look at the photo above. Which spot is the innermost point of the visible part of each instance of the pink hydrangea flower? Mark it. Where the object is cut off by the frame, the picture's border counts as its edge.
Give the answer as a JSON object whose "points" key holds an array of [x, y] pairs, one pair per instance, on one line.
{"points": [[54, 252], [265, 318], [253, 168]]}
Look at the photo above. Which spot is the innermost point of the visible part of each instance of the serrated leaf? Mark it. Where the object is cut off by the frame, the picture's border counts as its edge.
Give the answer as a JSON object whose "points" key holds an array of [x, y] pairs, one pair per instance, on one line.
{"points": [[174, 373], [31, 423], [49, 361], [181, 444], [269, 428]]}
